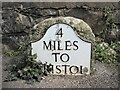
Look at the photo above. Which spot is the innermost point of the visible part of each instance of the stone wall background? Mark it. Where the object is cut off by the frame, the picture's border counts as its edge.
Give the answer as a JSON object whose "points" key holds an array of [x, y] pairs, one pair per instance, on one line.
{"points": [[20, 17]]}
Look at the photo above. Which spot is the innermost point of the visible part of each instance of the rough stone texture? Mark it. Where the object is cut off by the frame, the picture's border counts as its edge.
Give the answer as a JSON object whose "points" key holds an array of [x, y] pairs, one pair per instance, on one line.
{"points": [[93, 18], [91, 13], [117, 14], [58, 5], [13, 42], [48, 12], [15, 22], [80, 27]]}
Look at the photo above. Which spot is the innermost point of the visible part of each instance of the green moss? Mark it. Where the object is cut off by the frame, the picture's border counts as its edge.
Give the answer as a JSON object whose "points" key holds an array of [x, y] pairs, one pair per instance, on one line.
{"points": [[81, 27]]}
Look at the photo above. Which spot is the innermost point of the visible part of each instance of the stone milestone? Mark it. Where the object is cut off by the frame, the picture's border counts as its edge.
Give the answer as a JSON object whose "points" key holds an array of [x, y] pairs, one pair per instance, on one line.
{"points": [[66, 44]]}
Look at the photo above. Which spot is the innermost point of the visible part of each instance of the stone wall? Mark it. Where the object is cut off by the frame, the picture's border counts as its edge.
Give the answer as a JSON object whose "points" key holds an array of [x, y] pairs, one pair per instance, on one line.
{"points": [[19, 18]]}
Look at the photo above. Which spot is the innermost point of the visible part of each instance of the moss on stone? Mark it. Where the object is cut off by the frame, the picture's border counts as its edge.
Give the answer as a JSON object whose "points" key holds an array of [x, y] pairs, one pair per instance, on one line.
{"points": [[82, 29]]}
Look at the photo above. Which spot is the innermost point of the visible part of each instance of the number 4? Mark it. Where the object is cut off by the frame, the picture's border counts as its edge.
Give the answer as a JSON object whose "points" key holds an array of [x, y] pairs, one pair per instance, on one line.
{"points": [[59, 32]]}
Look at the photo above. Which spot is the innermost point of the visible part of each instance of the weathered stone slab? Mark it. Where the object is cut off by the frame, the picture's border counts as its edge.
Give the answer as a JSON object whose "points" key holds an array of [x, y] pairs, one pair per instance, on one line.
{"points": [[81, 28], [66, 43]]}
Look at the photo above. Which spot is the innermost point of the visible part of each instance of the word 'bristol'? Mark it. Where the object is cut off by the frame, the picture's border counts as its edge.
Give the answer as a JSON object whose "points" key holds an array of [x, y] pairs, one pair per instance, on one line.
{"points": [[66, 69]]}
